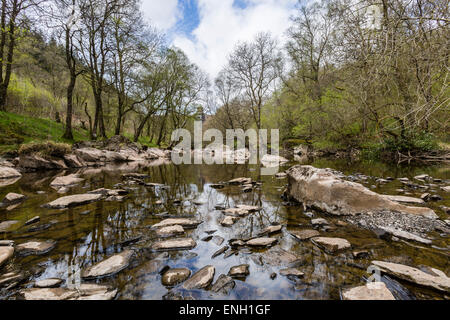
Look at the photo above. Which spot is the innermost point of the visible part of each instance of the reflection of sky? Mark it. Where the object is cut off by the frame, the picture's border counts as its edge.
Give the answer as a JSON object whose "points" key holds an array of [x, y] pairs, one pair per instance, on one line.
{"points": [[87, 239]]}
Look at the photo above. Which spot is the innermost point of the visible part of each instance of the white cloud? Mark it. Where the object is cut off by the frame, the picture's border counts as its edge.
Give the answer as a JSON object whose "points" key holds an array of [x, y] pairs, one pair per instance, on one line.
{"points": [[222, 26], [162, 14]]}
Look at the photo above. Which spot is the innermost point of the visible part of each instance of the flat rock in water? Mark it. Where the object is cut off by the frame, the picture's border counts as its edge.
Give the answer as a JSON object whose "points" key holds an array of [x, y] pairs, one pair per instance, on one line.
{"points": [[304, 234], [175, 276], [48, 283], [331, 244], [291, 272], [49, 294], [261, 242], [271, 229], [6, 243], [184, 222], [236, 212], [35, 247], [219, 252], [5, 226], [74, 200], [8, 173], [371, 291], [326, 190], [174, 244], [84, 292], [238, 181], [33, 220], [239, 271], [438, 280], [89, 291], [228, 221], [249, 208], [69, 180], [170, 231], [404, 199], [201, 279], [446, 188], [5, 254], [12, 198], [224, 284], [109, 266], [319, 222]]}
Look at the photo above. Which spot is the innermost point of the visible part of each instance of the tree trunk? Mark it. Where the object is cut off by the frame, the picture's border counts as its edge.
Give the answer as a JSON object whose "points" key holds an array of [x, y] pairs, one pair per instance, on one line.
{"points": [[68, 133]]}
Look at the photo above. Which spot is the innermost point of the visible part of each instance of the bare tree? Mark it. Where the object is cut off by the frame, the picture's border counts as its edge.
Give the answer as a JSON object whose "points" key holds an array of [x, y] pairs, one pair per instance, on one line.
{"points": [[255, 68]]}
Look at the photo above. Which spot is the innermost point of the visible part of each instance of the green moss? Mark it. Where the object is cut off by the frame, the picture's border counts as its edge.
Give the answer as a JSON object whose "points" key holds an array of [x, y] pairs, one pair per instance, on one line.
{"points": [[16, 130], [46, 149]]}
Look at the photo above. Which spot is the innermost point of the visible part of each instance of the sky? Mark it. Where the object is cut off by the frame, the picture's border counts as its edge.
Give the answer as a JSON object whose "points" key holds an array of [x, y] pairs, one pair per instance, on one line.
{"points": [[208, 30]]}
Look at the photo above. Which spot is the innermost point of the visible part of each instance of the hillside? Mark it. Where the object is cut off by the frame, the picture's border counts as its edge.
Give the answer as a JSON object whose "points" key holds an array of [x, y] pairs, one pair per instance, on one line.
{"points": [[17, 129]]}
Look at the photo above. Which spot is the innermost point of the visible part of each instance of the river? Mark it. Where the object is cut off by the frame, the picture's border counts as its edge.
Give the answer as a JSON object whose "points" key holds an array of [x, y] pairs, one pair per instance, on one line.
{"points": [[88, 234]]}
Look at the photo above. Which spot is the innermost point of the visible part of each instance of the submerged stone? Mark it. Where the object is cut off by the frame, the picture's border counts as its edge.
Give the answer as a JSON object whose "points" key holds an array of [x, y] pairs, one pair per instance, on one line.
{"points": [[261, 242], [278, 257], [5, 226], [291, 272], [224, 284], [35, 247], [65, 181], [306, 234]]}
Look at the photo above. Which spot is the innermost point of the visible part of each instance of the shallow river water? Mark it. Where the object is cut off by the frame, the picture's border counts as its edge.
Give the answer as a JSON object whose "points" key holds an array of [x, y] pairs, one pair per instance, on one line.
{"points": [[88, 234]]}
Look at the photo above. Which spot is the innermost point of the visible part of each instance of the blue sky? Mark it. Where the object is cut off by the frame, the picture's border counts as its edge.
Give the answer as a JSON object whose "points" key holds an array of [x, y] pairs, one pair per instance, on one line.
{"points": [[208, 30]]}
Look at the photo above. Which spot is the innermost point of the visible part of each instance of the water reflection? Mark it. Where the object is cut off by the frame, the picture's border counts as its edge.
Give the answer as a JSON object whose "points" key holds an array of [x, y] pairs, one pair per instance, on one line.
{"points": [[88, 234]]}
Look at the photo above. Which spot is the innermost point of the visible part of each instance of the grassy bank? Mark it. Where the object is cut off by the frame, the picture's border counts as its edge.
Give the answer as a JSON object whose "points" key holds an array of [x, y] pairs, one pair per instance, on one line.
{"points": [[16, 130]]}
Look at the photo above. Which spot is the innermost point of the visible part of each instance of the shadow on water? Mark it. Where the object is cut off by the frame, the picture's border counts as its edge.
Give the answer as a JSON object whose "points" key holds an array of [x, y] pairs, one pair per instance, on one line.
{"points": [[90, 233]]}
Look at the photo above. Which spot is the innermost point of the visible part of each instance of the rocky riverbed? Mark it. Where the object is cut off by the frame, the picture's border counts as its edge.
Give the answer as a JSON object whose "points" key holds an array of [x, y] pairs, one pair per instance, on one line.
{"points": [[152, 230]]}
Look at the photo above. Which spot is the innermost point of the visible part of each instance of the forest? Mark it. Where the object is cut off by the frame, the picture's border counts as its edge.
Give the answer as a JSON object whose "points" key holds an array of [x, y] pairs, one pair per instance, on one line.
{"points": [[368, 76]]}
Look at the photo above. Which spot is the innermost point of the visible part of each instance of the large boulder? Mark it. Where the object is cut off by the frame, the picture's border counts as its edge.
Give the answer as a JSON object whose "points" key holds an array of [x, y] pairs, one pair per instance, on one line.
{"points": [[435, 279], [35, 162], [326, 191]]}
